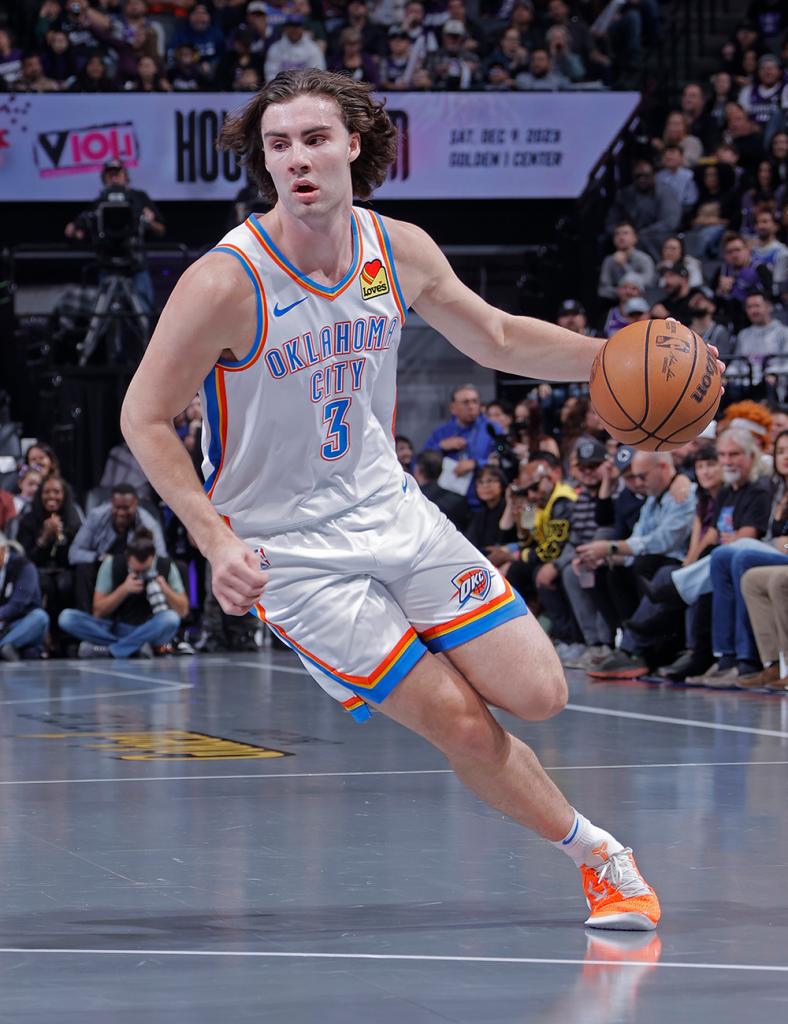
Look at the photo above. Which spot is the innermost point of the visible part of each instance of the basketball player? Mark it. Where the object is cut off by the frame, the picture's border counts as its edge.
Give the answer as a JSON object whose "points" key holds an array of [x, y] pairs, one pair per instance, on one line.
{"points": [[289, 328]]}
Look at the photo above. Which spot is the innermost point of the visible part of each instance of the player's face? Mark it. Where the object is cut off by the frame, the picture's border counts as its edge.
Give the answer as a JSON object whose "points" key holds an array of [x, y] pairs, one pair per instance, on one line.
{"points": [[308, 153]]}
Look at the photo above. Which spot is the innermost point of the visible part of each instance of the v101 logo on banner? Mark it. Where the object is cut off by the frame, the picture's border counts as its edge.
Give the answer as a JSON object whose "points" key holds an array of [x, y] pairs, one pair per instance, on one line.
{"points": [[85, 150]]}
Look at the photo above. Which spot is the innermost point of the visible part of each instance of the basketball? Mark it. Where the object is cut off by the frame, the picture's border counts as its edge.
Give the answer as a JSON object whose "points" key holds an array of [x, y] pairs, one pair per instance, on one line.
{"points": [[655, 384]]}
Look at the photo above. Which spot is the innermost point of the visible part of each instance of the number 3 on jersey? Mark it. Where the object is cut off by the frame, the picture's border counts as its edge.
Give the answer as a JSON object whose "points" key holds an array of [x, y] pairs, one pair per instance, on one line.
{"points": [[338, 435]]}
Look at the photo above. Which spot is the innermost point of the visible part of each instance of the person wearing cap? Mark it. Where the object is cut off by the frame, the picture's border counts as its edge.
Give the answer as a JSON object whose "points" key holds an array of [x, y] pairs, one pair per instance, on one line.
{"points": [[675, 298], [766, 99], [256, 21], [629, 287], [294, 50], [703, 306], [23, 622], [572, 315], [396, 67], [590, 468], [626, 259], [453, 67], [621, 495], [649, 206], [205, 37]]}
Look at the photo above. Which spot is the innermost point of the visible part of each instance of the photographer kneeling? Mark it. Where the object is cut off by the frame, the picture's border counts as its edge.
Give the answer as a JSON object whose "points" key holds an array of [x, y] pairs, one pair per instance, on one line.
{"points": [[138, 603]]}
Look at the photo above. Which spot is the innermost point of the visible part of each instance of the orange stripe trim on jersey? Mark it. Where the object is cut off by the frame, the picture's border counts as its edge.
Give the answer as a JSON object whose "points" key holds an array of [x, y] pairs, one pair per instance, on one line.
{"points": [[262, 325], [364, 682], [387, 258], [323, 291], [468, 617], [221, 394]]}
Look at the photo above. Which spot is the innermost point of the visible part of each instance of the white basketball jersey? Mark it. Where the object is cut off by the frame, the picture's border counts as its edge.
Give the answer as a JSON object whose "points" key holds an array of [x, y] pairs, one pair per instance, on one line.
{"points": [[301, 427]]}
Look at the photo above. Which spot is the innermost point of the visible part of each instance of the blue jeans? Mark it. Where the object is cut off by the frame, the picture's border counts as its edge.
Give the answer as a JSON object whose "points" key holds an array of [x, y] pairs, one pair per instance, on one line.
{"points": [[122, 639], [731, 632], [28, 631]]}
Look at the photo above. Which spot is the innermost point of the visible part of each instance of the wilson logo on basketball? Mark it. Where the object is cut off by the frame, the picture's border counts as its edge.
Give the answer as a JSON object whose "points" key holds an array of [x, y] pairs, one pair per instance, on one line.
{"points": [[705, 382], [374, 280], [472, 585]]}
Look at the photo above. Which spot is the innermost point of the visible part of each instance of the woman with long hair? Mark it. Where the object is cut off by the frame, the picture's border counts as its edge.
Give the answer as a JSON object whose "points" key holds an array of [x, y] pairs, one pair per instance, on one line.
{"points": [[766, 191], [673, 251], [483, 530]]}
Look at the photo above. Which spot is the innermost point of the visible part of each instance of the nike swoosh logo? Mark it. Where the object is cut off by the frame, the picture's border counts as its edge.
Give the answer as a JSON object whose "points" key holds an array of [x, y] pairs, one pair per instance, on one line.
{"points": [[281, 312]]}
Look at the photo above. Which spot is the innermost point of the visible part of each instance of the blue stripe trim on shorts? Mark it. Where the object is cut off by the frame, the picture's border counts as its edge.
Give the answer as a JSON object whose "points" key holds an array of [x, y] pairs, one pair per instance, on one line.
{"points": [[511, 610]]}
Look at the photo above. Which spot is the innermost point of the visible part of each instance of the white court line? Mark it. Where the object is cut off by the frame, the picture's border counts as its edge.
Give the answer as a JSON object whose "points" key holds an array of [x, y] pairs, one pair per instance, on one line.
{"points": [[261, 954], [718, 726], [170, 684], [342, 775]]}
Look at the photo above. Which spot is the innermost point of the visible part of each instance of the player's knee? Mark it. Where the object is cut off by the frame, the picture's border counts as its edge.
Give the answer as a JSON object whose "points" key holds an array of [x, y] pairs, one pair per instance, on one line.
{"points": [[544, 691], [474, 736], [555, 693]]}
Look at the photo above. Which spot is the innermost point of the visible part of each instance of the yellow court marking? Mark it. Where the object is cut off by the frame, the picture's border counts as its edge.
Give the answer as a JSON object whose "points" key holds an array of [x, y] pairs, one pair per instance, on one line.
{"points": [[167, 745]]}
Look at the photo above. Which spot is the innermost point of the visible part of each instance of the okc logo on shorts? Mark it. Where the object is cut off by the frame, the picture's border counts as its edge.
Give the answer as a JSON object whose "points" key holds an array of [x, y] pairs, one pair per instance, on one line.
{"points": [[374, 281], [472, 584]]}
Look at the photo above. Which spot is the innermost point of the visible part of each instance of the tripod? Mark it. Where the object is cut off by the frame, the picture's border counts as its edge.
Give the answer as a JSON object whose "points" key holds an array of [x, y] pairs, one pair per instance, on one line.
{"points": [[119, 312]]}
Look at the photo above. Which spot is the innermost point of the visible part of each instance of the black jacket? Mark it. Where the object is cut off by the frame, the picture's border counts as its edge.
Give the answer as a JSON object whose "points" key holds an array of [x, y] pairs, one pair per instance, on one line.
{"points": [[20, 592]]}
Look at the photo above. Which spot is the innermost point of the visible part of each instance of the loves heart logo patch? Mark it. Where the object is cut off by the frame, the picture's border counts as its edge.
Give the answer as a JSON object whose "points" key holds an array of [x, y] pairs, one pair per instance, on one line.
{"points": [[374, 280]]}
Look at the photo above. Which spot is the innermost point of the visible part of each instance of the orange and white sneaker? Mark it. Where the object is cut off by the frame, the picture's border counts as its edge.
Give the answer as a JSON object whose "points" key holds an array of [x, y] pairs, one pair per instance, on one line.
{"points": [[617, 894]]}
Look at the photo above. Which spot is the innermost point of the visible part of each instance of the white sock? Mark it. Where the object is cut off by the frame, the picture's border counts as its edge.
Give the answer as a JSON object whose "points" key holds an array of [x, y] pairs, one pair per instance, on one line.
{"points": [[587, 844]]}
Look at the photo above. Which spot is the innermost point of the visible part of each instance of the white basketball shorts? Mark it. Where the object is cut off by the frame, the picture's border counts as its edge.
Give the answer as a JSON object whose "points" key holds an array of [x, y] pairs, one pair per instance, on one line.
{"points": [[362, 597]]}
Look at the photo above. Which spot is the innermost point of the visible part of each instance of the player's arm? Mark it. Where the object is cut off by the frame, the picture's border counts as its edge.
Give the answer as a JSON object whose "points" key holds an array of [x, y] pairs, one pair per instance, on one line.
{"points": [[514, 344], [211, 309]]}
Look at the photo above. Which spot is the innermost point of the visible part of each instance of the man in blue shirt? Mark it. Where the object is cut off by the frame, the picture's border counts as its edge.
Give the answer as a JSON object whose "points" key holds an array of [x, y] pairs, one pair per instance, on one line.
{"points": [[466, 437]]}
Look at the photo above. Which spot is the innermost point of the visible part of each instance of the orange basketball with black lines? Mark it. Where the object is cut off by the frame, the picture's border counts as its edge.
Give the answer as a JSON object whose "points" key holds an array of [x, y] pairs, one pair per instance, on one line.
{"points": [[655, 384]]}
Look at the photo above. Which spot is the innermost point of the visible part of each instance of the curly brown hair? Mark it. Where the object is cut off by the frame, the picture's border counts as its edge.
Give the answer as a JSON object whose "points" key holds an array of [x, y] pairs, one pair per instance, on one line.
{"points": [[241, 132]]}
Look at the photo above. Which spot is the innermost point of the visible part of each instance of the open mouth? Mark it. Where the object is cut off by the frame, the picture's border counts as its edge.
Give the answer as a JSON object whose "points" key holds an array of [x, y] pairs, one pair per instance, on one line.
{"points": [[304, 188]]}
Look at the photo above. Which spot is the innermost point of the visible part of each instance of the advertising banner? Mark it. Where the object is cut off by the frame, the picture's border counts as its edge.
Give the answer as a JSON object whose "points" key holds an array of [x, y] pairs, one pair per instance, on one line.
{"points": [[451, 145]]}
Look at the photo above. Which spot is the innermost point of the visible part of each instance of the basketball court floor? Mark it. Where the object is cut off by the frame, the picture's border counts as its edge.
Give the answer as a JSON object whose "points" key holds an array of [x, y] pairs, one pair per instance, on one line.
{"points": [[212, 839]]}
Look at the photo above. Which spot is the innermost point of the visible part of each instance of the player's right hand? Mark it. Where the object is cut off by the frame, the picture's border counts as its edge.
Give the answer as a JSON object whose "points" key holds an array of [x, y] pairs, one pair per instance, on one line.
{"points": [[237, 580]]}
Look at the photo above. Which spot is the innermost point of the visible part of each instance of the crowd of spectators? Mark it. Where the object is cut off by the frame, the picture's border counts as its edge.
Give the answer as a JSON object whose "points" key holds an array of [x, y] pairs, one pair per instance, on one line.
{"points": [[189, 45]]}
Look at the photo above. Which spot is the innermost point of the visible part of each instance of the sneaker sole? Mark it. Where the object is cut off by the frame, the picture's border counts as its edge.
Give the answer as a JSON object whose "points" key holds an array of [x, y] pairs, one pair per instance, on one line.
{"points": [[631, 921], [618, 673]]}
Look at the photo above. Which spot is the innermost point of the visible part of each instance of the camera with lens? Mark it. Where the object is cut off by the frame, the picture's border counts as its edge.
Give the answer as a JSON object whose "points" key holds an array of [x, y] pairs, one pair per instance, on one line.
{"points": [[507, 458], [115, 228]]}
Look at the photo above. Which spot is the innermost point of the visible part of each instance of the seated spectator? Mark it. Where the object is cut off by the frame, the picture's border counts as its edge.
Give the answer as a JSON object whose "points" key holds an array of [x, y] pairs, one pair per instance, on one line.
{"points": [[627, 259], [659, 538], [723, 92], [453, 66], [94, 77], [351, 60], [541, 75], [10, 59], [483, 530], [770, 20], [743, 133], [134, 27], [405, 452], [23, 622], [465, 438], [474, 32], [675, 133], [32, 77], [572, 316], [428, 469], [535, 529], [148, 78], [766, 100], [58, 59], [396, 66], [357, 17], [703, 308], [236, 60], [765, 592], [185, 73], [651, 208], [583, 44], [421, 35], [618, 507], [564, 60], [764, 337], [678, 177], [594, 475], [28, 482], [138, 604], [779, 414], [500, 412], [738, 277], [699, 122], [201, 34], [673, 252], [523, 19], [294, 49], [629, 287], [42, 458], [256, 23], [718, 208], [766, 193], [509, 55], [675, 278], [139, 39], [87, 29], [770, 251], [106, 532], [46, 533], [733, 643]]}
